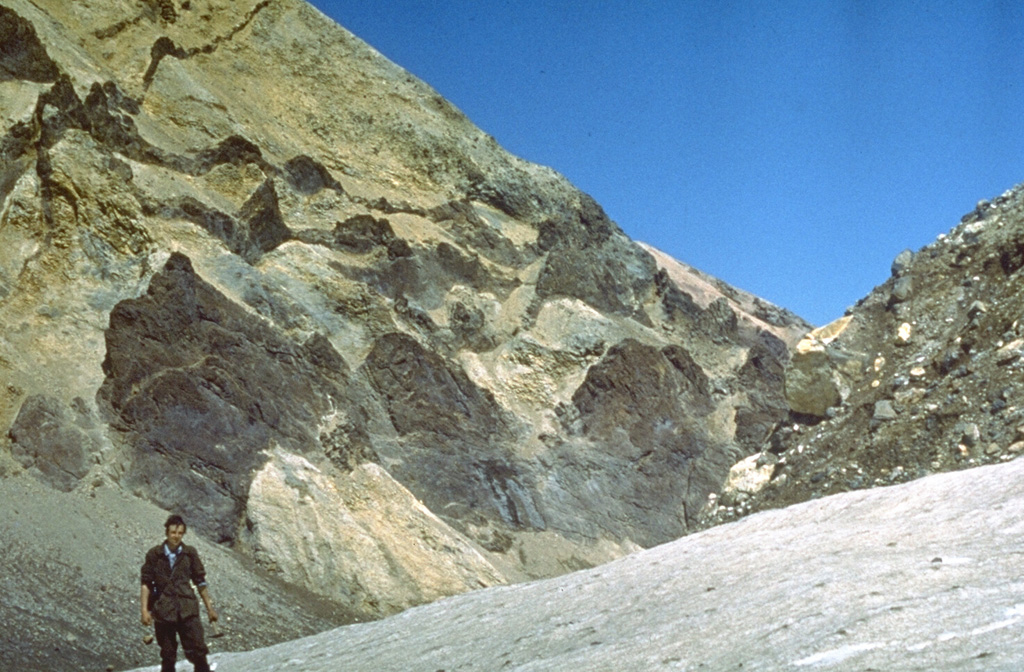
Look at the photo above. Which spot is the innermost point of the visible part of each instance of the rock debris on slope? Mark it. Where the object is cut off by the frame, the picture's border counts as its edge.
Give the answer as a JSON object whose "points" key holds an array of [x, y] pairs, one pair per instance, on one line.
{"points": [[69, 583], [921, 376]]}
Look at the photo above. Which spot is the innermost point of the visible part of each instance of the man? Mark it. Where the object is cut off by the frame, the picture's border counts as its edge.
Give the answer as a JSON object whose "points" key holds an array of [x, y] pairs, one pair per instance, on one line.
{"points": [[168, 600]]}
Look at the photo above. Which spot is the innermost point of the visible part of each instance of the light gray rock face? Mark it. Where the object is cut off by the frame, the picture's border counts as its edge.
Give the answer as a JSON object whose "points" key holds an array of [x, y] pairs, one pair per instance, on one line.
{"points": [[56, 442], [919, 576]]}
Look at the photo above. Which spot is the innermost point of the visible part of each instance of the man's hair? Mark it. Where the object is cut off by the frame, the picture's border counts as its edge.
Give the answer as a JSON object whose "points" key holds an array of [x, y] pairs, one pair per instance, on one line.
{"points": [[175, 519]]}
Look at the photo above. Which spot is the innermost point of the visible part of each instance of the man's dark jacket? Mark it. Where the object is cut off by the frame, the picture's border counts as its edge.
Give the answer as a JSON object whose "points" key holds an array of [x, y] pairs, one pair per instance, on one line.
{"points": [[171, 598]]}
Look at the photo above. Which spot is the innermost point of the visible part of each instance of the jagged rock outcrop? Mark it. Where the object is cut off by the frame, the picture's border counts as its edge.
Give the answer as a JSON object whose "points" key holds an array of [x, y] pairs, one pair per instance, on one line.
{"points": [[23, 56], [235, 237], [201, 390]]}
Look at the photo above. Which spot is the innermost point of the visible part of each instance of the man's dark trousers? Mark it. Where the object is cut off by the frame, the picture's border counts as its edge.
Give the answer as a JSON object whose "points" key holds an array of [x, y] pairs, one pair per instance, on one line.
{"points": [[190, 630]]}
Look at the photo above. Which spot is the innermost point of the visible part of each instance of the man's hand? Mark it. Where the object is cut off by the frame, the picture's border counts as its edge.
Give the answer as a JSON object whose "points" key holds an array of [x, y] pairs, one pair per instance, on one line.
{"points": [[147, 618], [212, 613]]}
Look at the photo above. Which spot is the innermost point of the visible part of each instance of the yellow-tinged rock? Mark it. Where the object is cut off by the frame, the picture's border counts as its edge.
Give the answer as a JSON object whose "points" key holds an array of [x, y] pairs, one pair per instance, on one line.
{"points": [[1010, 351], [824, 335]]}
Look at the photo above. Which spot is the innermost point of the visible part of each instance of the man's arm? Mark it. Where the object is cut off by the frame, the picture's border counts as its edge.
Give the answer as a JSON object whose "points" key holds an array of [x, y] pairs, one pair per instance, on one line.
{"points": [[208, 601], [147, 618], [199, 579], [146, 574]]}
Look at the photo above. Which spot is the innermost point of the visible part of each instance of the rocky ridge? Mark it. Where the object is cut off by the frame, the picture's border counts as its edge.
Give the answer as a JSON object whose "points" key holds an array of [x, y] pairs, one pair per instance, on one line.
{"points": [[257, 274], [923, 375]]}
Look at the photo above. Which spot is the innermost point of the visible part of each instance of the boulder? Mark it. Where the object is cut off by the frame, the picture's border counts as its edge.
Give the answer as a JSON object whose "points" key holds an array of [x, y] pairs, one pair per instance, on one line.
{"points": [[815, 380], [747, 477], [904, 333], [902, 289], [901, 264], [970, 434], [811, 385], [884, 410]]}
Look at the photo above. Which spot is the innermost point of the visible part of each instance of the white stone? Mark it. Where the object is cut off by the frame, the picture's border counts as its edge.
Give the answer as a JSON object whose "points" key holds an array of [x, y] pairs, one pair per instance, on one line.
{"points": [[746, 478]]}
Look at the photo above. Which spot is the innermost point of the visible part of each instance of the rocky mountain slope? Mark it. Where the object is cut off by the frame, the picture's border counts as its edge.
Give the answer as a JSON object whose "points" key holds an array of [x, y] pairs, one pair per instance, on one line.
{"points": [[921, 376], [918, 576], [254, 273]]}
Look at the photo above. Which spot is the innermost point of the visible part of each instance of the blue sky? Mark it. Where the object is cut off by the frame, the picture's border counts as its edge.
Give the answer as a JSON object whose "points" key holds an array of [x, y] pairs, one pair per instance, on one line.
{"points": [[792, 149]]}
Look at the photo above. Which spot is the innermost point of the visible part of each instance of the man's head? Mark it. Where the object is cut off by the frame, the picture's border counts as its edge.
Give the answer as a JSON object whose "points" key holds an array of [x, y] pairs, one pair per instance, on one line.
{"points": [[175, 528]]}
